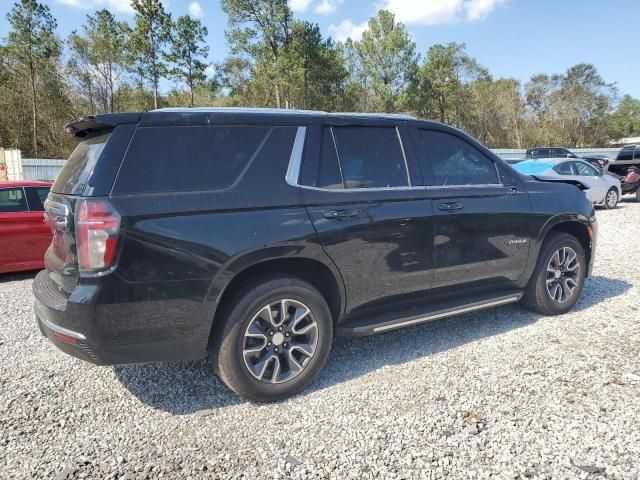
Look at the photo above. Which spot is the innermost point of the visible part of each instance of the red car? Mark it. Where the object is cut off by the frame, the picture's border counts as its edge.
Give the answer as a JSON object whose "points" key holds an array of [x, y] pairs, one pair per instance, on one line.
{"points": [[24, 237]]}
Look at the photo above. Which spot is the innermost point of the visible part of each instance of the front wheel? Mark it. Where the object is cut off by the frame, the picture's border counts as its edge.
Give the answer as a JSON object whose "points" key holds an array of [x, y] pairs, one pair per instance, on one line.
{"points": [[611, 199], [559, 276], [275, 340]]}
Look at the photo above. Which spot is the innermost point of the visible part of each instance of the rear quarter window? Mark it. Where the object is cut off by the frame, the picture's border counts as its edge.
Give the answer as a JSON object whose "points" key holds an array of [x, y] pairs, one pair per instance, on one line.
{"points": [[78, 168], [165, 159]]}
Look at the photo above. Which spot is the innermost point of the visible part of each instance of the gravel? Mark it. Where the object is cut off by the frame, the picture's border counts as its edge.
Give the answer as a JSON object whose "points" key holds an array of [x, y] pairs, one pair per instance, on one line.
{"points": [[502, 393]]}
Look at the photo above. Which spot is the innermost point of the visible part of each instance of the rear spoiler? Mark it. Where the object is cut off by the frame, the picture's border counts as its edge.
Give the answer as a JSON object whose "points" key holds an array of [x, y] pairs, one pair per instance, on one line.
{"points": [[578, 184], [83, 126]]}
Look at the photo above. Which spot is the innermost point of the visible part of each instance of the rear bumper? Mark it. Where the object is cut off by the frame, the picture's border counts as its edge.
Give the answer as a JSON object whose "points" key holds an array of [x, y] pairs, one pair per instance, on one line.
{"points": [[104, 332], [69, 341]]}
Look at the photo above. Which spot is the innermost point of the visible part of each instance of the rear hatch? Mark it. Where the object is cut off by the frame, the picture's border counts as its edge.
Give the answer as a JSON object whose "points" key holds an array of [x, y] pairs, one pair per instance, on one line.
{"points": [[80, 193]]}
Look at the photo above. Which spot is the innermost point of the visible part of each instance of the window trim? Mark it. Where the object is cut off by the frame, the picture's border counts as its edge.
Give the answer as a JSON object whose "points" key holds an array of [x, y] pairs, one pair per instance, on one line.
{"points": [[295, 162]]}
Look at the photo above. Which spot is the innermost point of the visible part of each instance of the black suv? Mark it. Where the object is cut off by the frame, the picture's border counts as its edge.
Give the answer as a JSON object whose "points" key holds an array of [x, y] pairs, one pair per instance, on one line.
{"points": [[599, 161], [254, 237]]}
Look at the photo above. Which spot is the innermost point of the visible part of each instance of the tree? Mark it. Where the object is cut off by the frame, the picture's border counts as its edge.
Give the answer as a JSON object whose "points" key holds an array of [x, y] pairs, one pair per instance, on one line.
{"points": [[149, 37], [313, 70], [32, 50], [107, 40], [188, 52], [440, 85], [388, 60], [260, 31], [625, 121]]}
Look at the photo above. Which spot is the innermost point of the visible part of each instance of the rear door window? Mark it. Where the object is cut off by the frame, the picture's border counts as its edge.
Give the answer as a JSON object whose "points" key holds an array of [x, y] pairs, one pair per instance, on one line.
{"points": [[36, 197], [456, 162], [564, 168], [77, 169], [542, 153], [371, 157], [585, 170], [12, 200], [164, 159], [329, 172]]}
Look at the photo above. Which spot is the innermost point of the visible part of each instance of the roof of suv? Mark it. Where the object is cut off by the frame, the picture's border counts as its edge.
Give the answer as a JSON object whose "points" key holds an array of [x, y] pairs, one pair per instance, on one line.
{"points": [[283, 112], [199, 116]]}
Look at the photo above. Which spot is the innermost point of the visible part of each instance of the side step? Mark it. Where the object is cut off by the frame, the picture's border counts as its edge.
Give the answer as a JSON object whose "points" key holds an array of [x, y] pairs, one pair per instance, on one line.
{"points": [[362, 326]]}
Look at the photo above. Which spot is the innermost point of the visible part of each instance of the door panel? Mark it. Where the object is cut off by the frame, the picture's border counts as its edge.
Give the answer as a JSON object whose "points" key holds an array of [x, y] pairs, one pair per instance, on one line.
{"points": [[384, 249], [380, 234], [22, 236], [481, 213], [484, 238]]}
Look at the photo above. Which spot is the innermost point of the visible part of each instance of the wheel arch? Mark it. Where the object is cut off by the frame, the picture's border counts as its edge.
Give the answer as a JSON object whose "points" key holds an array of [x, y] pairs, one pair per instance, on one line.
{"points": [[574, 226], [323, 276]]}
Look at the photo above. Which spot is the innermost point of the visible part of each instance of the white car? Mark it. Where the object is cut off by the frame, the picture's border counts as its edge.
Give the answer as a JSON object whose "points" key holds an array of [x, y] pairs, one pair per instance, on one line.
{"points": [[601, 189]]}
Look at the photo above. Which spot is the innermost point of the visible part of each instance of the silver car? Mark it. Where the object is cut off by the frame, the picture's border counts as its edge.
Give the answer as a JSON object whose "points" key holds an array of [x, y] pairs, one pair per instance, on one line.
{"points": [[602, 189]]}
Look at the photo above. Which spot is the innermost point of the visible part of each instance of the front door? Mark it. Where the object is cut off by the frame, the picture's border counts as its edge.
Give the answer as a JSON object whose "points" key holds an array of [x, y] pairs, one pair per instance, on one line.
{"points": [[482, 225], [362, 190]]}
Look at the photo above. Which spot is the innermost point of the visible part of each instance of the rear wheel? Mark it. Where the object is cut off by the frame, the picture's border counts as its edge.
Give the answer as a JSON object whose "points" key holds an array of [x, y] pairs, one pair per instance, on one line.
{"points": [[275, 340], [611, 199], [558, 279]]}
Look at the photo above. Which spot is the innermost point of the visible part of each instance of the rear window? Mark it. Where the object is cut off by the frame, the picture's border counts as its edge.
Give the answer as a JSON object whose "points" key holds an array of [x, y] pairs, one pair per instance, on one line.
{"points": [[165, 159], [77, 169]]}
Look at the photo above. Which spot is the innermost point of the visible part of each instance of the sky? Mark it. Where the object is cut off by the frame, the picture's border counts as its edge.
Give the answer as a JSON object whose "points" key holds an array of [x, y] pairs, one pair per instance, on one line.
{"points": [[513, 38]]}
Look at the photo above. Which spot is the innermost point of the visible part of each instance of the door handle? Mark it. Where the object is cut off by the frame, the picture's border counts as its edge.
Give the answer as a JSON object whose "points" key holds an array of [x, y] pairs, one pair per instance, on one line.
{"points": [[448, 207], [341, 214]]}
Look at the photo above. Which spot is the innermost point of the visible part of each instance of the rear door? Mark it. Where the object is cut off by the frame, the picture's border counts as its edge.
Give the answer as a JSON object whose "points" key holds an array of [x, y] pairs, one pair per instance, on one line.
{"points": [[482, 214], [363, 191], [20, 230]]}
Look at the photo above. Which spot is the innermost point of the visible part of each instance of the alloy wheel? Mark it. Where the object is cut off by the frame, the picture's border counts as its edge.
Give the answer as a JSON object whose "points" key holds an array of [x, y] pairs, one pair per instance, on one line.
{"points": [[563, 274], [280, 341], [612, 198]]}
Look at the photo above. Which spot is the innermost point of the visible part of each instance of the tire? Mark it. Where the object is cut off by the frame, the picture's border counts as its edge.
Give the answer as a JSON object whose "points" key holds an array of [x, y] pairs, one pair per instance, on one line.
{"points": [[252, 337], [548, 301], [611, 199], [638, 195]]}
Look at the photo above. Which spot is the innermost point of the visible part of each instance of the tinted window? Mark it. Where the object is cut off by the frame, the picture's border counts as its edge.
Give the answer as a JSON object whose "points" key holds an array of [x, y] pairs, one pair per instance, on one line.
{"points": [[79, 166], [585, 170], [36, 197], [542, 153], [12, 200], [371, 157], [329, 175], [564, 168], [455, 162], [637, 154], [625, 154], [163, 159]]}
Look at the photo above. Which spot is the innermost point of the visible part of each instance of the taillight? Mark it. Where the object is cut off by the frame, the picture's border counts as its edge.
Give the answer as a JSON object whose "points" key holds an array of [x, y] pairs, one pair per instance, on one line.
{"points": [[97, 231]]}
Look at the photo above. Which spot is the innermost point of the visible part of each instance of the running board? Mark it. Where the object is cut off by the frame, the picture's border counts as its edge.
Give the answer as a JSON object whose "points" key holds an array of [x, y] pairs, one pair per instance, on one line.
{"points": [[423, 314]]}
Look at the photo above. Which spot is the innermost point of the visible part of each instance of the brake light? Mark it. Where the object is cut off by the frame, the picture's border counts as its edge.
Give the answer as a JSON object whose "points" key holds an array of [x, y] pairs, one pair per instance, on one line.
{"points": [[97, 232]]}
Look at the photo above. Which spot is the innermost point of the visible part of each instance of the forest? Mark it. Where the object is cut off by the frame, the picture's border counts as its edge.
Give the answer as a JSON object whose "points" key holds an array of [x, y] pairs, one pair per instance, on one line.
{"points": [[277, 60]]}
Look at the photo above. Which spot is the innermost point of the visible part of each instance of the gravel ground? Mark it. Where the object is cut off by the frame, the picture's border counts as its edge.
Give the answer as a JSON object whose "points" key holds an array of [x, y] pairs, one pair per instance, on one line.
{"points": [[502, 393]]}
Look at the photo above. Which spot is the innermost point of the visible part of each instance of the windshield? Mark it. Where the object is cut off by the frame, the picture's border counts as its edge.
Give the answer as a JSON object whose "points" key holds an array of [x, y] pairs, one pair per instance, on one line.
{"points": [[78, 167]]}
